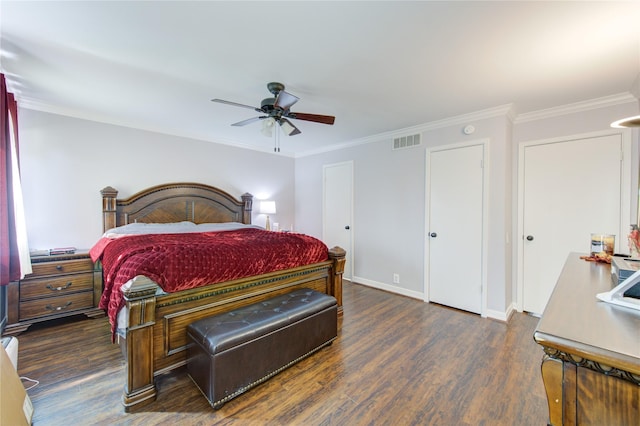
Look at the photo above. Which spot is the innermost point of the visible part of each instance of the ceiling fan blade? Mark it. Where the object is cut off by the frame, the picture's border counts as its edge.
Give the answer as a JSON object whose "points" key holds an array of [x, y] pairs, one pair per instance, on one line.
{"points": [[324, 119], [221, 101], [285, 100], [249, 121], [288, 128]]}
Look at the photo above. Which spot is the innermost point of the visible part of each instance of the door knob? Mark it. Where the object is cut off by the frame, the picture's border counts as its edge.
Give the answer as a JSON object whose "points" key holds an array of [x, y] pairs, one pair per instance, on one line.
{"points": [[529, 237], [433, 235], [347, 227]]}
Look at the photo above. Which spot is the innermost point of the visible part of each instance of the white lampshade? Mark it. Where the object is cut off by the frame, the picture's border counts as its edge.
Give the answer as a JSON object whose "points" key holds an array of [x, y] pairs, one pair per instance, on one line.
{"points": [[267, 207], [287, 127], [267, 127]]}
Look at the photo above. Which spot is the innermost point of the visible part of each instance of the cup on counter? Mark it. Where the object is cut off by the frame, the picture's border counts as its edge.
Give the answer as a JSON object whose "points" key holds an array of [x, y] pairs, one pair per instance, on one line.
{"points": [[602, 243]]}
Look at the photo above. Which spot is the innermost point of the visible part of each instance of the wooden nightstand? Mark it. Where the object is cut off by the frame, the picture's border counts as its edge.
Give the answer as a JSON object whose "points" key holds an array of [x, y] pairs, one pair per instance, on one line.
{"points": [[60, 286]]}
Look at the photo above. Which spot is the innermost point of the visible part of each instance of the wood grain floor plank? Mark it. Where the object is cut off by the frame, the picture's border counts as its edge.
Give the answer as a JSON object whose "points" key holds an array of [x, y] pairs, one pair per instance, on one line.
{"points": [[396, 361]]}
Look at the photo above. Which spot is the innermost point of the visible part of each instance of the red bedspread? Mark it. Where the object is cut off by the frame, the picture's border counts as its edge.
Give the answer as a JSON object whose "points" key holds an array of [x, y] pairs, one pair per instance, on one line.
{"points": [[183, 261]]}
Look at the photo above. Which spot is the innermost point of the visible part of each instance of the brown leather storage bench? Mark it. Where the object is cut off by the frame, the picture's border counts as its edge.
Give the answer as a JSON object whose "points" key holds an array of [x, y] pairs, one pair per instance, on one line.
{"points": [[232, 352]]}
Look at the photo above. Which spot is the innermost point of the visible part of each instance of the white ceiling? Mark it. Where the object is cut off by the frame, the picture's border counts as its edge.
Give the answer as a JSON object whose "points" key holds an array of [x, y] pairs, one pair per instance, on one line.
{"points": [[377, 66]]}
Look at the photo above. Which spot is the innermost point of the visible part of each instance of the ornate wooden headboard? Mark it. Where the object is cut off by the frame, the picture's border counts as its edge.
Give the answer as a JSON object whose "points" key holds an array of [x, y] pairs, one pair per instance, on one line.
{"points": [[174, 202]]}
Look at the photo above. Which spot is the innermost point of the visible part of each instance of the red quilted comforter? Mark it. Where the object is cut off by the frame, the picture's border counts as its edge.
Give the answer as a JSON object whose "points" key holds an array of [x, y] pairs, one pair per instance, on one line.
{"points": [[183, 261]]}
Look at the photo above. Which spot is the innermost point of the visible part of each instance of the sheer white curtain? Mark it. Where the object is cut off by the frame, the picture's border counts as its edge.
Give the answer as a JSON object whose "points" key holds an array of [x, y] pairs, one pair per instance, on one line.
{"points": [[18, 201], [14, 250]]}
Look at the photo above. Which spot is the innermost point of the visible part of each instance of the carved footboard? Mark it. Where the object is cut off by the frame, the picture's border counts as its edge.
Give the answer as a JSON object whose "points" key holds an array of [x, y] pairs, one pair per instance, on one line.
{"points": [[155, 340]]}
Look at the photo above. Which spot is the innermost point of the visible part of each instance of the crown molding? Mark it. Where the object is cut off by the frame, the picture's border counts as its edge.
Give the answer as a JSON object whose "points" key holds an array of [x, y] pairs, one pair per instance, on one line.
{"points": [[603, 102], [74, 113], [499, 111], [508, 111]]}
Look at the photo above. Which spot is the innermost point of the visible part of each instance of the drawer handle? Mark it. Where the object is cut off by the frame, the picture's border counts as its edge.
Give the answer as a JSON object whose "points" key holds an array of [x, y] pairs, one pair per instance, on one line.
{"points": [[58, 308], [52, 288], [59, 267]]}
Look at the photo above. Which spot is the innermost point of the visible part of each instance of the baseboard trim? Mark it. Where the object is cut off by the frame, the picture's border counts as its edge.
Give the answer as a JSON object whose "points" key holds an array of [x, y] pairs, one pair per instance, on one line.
{"points": [[490, 313], [388, 287], [502, 316]]}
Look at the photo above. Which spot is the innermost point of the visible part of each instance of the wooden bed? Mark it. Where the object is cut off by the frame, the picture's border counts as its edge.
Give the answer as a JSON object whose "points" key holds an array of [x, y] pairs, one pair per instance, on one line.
{"points": [[154, 341]]}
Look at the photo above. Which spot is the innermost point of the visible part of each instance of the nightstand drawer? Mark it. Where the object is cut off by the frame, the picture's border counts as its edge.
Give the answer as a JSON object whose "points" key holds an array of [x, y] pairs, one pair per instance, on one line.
{"points": [[61, 285], [60, 267], [55, 286], [60, 305]]}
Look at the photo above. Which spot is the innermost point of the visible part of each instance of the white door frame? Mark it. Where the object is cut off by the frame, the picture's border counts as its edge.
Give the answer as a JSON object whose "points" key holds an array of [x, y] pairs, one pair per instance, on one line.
{"points": [[351, 225], [485, 215], [625, 192]]}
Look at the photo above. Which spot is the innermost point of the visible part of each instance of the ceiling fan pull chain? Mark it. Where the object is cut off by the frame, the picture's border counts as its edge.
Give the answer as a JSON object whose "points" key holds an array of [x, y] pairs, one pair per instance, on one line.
{"points": [[275, 139]]}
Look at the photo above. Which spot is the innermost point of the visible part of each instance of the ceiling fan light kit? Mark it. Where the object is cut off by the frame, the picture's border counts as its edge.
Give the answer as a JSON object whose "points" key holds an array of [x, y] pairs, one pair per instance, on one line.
{"points": [[277, 110], [288, 128], [267, 127]]}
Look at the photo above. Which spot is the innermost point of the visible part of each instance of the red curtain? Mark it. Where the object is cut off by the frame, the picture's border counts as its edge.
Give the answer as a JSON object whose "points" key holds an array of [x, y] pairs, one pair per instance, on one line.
{"points": [[9, 257]]}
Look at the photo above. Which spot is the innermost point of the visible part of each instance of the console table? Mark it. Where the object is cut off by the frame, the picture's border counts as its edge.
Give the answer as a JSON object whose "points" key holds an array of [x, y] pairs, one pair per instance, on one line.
{"points": [[591, 362]]}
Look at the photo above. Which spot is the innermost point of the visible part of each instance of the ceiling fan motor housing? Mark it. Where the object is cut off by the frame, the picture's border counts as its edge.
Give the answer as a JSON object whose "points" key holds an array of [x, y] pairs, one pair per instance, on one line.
{"points": [[267, 104], [275, 88]]}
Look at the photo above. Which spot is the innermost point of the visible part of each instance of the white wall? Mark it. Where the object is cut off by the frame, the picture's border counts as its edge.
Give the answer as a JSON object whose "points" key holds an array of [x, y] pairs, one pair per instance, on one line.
{"points": [[389, 236], [388, 209], [66, 161], [389, 217]]}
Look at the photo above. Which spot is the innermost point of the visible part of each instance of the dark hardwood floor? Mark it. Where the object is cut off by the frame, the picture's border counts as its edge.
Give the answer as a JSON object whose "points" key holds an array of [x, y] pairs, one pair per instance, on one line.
{"points": [[397, 361]]}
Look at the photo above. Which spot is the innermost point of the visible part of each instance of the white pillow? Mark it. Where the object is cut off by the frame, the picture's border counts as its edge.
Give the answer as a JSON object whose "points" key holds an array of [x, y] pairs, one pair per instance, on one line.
{"points": [[150, 228], [172, 228]]}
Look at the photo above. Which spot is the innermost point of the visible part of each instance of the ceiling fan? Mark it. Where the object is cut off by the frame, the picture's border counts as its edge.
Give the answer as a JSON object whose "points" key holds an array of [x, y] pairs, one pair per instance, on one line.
{"points": [[277, 110]]}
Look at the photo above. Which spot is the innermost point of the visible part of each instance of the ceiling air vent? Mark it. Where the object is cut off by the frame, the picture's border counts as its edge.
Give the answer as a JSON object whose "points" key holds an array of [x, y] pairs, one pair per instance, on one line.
{"points": [[406, 141]]}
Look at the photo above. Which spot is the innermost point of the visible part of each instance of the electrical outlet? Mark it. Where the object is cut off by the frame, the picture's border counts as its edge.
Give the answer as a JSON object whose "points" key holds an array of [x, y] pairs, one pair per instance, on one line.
{"points": [[396, 278]]}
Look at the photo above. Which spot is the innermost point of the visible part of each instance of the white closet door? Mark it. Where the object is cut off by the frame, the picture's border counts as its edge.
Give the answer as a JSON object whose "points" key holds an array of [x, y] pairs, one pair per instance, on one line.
{"points": [[571, 189], [337, 210], [455, 194]]}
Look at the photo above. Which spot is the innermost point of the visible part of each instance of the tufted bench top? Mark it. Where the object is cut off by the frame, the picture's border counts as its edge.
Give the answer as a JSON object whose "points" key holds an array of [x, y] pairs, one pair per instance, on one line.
{"points": [[230, 329]]}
